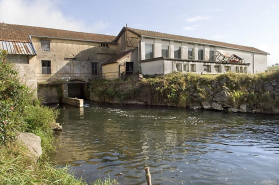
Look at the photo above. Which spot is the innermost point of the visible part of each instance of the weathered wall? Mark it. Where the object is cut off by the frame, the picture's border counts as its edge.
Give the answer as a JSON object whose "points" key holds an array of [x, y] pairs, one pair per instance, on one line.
{"points": [[116, 70], [110, 71], [231, 92], [152, 68], [26, 71], [127, 41], [50, 93], [73, 101], [70, 59]]}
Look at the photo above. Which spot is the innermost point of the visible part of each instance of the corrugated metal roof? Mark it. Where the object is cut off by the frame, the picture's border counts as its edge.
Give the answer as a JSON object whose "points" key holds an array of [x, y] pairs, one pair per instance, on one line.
{"points": [[15, 47]]}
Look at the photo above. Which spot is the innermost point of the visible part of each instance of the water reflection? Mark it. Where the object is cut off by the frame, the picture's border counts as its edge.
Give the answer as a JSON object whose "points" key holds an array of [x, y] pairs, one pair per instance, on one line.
{"points": [[180, 147]]}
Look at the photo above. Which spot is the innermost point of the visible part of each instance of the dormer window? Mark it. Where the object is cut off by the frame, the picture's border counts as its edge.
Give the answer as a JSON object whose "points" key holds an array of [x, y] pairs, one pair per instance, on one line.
{"points": [[45, 45]]}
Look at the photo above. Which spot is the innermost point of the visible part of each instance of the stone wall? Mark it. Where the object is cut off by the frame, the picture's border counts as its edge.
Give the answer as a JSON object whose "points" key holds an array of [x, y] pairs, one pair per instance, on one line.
{"points": [[50, 93], [231, 92]]}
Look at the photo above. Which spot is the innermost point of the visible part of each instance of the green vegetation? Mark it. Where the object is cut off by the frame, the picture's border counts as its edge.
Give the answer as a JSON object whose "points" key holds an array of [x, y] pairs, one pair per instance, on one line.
{"points": [[21, 112], [273, 68], [259, 92]]}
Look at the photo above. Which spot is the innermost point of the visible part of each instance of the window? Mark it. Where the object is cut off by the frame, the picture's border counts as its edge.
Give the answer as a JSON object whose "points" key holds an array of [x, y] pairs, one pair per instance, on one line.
{"points": [[186, 68], [245, 70], [193, 67], [104, 45], [46, 67], [227, 68], [200, 54], [190, 54], [148, 51], [94, 68], [237, 69], [129, 68], [179, 67], [165, 51], [217, 69], [207, 68], [45, 45], [177, 52], [211, 55], [241, 69]]}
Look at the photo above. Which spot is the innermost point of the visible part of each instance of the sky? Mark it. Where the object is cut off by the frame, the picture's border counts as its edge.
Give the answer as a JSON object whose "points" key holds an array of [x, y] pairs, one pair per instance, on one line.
{"points": [[252, 23]]}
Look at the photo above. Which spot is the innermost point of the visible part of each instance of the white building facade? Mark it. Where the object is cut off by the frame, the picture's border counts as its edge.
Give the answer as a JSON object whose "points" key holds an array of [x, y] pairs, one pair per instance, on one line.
{"points": [[162, 56]]}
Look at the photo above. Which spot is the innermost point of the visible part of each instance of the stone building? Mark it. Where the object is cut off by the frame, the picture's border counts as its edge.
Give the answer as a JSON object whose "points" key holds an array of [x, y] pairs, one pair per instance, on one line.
{"points": [[59, 63], [56, 62]]}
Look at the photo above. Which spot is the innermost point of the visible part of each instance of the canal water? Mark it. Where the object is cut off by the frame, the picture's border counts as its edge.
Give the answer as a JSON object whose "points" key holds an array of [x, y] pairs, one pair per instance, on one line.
{"points": [[180, 146]]}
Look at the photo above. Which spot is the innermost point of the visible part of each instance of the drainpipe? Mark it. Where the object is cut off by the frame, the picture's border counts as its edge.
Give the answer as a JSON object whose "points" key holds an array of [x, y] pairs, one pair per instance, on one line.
{"points": [[253, 63]]}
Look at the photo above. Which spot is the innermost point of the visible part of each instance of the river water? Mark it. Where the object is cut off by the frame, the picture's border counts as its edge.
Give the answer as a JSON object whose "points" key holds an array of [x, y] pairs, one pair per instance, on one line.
{"points": [[180, 146]]}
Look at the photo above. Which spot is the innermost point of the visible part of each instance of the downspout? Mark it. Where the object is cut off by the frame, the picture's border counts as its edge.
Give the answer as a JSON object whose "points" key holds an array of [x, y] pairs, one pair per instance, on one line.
{"points": [[139, 58], [163, 67], [253, 63]]}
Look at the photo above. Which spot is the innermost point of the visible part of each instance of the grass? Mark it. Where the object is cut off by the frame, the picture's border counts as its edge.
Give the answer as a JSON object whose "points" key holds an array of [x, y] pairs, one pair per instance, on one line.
{"points": [[18, 168], [273, 68]]}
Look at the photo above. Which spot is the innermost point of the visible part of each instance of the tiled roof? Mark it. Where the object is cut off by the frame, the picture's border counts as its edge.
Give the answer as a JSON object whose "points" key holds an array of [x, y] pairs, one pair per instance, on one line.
{"points": [[117, 57], [13, 32], [194, 40]]}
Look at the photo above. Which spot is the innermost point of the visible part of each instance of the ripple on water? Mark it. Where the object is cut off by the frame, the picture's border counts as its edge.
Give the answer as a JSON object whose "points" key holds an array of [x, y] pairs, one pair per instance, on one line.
{"points": [[180, 147]]}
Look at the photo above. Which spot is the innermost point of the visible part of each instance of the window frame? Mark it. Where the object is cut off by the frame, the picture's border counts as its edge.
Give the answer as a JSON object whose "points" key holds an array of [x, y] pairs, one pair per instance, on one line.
{"points": [[193, 67], [45, 45], [200, 54], [185, 67], [167, 51], [179, 67], [149, 55], [211, 55], [237, 69], [177, 51], [94, 68], [129, 72], [46, 66], [207, 68], [227, 69], [219, 69], [190, 50]]}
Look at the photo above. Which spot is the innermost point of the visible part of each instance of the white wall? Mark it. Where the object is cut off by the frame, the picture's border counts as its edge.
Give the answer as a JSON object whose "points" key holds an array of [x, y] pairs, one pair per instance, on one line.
{"points": [[260, 59], [260, 63], [152, 68]]}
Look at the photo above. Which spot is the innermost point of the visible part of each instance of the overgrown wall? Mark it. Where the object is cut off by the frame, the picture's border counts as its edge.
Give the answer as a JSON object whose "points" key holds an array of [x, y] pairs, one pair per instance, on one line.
{"points": [[233, 92]]}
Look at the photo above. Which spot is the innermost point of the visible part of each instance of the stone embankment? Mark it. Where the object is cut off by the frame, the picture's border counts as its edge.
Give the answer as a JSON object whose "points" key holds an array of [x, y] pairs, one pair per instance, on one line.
{"points": [[230, 92]]}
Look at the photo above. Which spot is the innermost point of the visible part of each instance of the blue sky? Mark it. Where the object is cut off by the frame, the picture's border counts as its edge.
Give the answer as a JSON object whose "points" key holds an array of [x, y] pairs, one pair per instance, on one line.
{"points": [[246, 22]]}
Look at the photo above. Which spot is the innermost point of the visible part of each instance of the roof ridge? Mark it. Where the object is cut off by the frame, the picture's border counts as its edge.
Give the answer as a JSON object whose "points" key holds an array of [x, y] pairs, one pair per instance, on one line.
{"points": [[55, 29]]}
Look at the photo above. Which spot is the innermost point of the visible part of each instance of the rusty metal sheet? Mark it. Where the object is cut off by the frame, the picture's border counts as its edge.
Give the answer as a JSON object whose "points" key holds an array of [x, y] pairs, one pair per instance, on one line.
{"points": [[18, 48]]}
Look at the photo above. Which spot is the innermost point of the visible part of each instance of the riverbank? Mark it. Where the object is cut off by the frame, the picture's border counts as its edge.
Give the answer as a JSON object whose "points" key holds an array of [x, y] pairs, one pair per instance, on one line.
{"points": [[21, 112], [231, 92]]}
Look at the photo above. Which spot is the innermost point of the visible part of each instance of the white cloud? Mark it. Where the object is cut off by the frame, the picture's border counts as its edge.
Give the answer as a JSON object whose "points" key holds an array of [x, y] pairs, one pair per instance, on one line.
{"points": [[272, 49], [190, 27], [197, 18], [44, 13]]}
